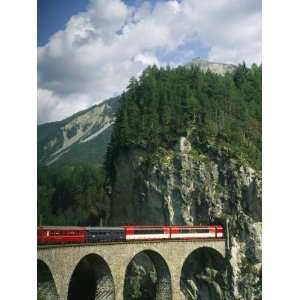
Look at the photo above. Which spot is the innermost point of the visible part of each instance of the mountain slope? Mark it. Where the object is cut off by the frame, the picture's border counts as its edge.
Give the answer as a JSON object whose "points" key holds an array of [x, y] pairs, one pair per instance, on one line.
{"points": [[82, 137]]}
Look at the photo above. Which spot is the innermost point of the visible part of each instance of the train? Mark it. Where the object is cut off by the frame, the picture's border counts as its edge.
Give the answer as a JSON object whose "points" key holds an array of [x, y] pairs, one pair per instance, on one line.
{"points": [[47, 235]]}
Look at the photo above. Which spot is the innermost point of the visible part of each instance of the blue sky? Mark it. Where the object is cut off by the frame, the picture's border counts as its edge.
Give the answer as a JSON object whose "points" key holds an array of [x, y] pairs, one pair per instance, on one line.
{"points": [[88, 49], [54, 14]]}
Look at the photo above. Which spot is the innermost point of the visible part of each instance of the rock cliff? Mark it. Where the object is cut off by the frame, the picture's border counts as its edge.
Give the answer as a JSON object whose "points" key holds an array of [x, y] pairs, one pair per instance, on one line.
{"points": [[188, 185]]}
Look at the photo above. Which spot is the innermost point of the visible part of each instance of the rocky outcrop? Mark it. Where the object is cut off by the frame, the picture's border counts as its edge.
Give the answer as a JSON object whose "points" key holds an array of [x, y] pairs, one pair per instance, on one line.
{"points": [[185, 185], [214, 67]]}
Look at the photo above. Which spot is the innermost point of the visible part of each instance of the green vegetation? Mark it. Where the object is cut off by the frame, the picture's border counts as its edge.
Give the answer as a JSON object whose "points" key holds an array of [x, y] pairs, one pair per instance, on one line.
{"points": [[45, 133], [71, 195], [164, 104]]}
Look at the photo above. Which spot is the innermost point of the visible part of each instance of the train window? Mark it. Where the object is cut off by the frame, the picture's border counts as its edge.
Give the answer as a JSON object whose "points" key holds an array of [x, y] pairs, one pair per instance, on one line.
{"points": [[148, 230], [194, 230], [202, 230]]}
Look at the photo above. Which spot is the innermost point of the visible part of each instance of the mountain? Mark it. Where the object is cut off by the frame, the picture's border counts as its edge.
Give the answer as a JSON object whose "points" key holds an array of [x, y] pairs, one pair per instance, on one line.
{"points": [[214, 67], [83, 137], [193, 156]]}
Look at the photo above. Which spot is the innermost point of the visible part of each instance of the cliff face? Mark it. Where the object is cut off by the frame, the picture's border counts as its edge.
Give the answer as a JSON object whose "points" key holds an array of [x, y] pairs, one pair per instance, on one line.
{"points": [[188, 186]]}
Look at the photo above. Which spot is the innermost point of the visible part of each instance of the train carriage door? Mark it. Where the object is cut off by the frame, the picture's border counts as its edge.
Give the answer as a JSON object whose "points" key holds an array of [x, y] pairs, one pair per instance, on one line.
{"points": [[212, 231], [167, 233], [174, 232], [129, 231], [219, 231]]}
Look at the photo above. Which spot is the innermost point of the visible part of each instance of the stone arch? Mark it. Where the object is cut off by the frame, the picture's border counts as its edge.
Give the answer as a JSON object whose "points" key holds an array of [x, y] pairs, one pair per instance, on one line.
{"points": [[147, 267], [91, 280], [204, 275], [46, 289]]}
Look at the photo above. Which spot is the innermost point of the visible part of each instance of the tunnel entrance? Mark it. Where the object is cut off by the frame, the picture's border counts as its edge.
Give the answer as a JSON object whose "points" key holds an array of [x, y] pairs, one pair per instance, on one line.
{"points": [[147, 278], [203, 275], [46, 289], [91, 280]]}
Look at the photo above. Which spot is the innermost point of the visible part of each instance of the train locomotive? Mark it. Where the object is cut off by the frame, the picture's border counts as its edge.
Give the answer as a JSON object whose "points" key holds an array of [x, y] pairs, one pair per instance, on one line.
{"points": [[51, 235]]}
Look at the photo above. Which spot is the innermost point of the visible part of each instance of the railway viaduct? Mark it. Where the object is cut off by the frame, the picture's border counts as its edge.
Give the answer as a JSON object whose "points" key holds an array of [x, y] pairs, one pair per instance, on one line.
{"points": [[106, 264]]}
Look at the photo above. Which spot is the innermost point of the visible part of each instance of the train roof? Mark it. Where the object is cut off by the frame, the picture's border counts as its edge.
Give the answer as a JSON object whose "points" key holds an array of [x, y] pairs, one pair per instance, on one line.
{"points": [[79, 228], [61, 227], [160, 226], [103, 228], [122, 227]]}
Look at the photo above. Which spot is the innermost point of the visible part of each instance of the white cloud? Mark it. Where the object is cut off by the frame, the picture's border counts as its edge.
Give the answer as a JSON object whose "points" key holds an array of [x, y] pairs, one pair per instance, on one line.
{"points": [[93, 57], [147, 59], [55, 107]]}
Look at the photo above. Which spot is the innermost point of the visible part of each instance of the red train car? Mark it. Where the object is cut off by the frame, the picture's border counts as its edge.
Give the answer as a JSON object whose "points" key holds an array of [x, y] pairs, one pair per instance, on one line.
{"points": [[196, 232], [60, 235]]}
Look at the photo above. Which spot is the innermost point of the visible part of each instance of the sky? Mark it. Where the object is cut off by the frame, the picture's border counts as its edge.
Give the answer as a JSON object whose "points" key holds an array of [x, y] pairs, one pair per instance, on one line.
{"points": [[89, 49]]}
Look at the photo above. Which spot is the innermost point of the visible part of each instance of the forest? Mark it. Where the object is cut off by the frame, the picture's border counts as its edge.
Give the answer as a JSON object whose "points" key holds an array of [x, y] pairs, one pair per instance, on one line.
{"points": [[165, 104], [70, 195]]}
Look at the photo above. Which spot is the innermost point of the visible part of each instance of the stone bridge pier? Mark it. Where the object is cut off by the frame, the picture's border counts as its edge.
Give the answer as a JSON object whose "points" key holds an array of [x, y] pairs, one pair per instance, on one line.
{"points": [[102, 268]]}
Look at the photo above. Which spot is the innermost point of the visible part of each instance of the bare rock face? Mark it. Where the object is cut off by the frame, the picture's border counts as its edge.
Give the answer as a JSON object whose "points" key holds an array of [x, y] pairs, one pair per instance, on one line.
{"points": [[214, 67], [188, 186]]}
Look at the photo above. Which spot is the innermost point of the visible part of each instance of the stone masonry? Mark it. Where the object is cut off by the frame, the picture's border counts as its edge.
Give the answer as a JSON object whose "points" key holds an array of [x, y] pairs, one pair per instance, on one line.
{"points": [[62, 261]]}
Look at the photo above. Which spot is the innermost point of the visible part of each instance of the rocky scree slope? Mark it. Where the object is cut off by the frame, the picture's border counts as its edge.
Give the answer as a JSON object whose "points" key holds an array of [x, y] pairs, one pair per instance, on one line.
{"points": [[82, 137]]}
